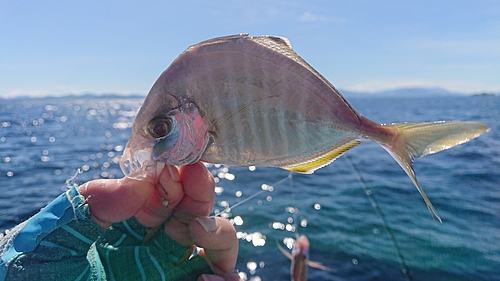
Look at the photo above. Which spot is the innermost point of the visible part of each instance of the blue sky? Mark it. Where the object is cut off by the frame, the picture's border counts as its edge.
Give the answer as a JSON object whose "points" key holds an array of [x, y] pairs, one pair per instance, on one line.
{"points": [[61, 47]]}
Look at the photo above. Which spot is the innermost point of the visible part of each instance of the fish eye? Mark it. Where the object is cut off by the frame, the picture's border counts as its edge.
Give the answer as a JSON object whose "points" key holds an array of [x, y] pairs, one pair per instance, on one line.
{"points": [[159, 127]]}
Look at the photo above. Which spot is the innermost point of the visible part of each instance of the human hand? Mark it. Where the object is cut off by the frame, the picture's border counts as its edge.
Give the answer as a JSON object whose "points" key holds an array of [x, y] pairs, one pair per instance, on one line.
{"points": [[188, 194]]}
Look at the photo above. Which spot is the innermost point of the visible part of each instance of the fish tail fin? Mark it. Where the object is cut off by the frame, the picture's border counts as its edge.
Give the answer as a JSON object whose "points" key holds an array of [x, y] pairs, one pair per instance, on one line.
{"points": [[413, 140]]}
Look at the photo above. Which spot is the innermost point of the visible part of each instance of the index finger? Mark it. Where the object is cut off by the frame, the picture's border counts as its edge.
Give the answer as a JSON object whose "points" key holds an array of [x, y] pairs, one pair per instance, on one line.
{"points": [[199, 193]]}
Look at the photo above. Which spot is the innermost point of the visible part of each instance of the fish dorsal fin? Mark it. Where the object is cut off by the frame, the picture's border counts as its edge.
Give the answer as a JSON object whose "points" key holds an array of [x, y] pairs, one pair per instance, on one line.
{"points": [[282, 45], [278, 44], [311, 165], [270, 41], [221, 39]]}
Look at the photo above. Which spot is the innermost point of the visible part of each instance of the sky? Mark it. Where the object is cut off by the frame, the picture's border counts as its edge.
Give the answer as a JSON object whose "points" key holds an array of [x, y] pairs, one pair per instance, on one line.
{"points": [[74, 47]]}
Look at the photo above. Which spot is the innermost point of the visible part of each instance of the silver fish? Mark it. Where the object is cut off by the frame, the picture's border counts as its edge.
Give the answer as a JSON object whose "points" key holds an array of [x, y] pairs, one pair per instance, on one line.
{"points": [[252, 101]]}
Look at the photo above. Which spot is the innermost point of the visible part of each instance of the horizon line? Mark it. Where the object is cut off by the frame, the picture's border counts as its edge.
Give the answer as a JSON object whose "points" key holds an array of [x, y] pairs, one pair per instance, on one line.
{"points": [[387, 91]]}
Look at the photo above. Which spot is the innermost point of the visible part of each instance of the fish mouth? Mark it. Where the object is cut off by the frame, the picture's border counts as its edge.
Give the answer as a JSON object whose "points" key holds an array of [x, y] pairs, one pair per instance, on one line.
{"points": [[139, 164]]}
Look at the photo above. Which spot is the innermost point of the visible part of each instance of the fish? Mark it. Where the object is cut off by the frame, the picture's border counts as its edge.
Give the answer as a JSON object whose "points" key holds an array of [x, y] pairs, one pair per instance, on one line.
{"points": [[253, 101], [300, 259]]}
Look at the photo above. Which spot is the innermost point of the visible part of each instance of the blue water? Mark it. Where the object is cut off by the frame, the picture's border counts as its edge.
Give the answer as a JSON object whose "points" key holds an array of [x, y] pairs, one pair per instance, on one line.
{"points": [[44, 141]]}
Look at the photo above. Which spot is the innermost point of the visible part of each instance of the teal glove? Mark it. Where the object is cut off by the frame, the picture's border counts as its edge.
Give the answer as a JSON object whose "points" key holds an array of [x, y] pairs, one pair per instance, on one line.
{"points": [[62, 242]]}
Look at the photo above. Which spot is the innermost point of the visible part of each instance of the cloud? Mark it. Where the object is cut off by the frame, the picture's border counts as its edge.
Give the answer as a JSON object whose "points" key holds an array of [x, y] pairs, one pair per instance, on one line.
{"points": [[488, 47], [310, 17]]}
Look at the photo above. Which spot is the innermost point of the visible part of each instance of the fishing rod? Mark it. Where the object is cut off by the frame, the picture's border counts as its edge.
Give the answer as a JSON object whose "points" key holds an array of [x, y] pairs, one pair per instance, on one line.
{"points": [[374, 203]]}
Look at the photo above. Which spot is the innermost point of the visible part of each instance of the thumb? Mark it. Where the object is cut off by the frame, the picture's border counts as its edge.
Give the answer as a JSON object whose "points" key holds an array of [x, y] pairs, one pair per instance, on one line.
{"points": [[115, 200]]}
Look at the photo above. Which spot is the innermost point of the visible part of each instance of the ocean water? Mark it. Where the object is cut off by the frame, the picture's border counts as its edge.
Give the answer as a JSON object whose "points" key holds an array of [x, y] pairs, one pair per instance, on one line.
{"points": [[362, 215]]}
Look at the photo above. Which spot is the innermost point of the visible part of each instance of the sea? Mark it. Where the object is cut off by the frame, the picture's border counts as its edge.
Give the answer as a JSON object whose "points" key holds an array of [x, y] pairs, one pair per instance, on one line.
{"points": [[362, 215]]}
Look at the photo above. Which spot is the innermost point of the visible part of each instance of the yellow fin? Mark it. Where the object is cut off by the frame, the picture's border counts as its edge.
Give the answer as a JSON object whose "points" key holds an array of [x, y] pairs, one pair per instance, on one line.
{"points": [[311, 165], [413, 140], [431, 137]]}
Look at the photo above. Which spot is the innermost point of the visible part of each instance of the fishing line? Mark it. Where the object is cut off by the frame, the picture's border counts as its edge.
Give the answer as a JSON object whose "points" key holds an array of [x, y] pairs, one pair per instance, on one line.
{"points": [[375, 205], [295, 209], [264, 187]]}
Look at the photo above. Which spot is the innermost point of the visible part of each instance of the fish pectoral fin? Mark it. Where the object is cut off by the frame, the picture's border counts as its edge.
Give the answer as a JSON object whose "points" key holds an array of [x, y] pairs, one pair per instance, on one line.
{"points": [[320, 266], [310, 165], [285, 252]]}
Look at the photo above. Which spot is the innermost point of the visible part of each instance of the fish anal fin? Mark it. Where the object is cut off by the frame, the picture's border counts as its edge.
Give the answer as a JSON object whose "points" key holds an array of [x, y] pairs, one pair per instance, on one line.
{"points": [[310, 165]]}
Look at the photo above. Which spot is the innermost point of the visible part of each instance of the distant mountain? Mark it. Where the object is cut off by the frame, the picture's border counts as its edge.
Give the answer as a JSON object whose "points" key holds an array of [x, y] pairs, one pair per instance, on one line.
{"points": [[484, 94], [109, 95], [412, 92]]}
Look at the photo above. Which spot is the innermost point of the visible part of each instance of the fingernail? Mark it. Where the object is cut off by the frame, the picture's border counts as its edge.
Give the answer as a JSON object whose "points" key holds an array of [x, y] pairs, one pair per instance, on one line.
{"points": [[159, 167], [207, 277], [209, 224], [174, 174]]}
